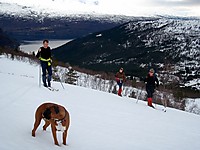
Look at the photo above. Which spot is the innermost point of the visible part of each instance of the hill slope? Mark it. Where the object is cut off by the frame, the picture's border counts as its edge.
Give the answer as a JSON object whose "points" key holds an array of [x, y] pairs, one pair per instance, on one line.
{"points": [[43, 27], [135, 43], [98, 120], [6, 41]]}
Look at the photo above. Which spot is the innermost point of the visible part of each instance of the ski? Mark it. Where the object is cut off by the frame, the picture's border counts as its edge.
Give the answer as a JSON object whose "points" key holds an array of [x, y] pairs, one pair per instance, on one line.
{"points": [[52, 89], [152, 107], [156, 108], [163, 110]]}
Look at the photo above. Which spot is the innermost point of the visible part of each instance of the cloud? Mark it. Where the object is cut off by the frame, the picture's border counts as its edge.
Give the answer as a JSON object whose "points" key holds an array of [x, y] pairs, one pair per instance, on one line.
{"points": [[177, 7], [191, 2], [179, 3], [122, 7]]}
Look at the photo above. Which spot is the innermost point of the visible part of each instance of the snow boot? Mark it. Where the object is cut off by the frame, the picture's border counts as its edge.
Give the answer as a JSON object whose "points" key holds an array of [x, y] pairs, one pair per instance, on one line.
{"points": [[49, 83], [150, 102], [45, 85], [120, 92], [44, 80]]}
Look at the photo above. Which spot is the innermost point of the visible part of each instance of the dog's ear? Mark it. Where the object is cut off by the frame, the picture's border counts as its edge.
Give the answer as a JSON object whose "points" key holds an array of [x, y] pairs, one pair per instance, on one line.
{"points": [[47, 114], [56, 108]]}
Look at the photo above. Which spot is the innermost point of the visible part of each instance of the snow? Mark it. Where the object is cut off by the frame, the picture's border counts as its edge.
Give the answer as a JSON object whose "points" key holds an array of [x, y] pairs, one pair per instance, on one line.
{"points": [[97, 7], [99, 35], [99, 120], [193, 105]]}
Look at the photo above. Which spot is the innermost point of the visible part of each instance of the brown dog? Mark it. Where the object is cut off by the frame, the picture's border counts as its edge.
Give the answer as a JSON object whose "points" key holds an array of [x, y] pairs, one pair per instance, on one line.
{"points": [[55, 115]]}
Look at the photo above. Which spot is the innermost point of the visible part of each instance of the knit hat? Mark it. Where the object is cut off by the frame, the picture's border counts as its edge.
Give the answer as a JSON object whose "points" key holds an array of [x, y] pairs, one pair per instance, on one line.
{"points": [[151, 70]]}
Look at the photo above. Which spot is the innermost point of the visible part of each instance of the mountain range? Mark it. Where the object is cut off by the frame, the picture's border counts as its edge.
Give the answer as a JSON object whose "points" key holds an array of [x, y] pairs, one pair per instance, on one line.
{"points": [[155, 41], [106, 42], [26, 20], [36, 28]]}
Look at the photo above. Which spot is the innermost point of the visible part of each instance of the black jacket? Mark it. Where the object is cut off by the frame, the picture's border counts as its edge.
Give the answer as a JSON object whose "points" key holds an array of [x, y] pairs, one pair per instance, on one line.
{"points": [[151, 81], [44, 53]]}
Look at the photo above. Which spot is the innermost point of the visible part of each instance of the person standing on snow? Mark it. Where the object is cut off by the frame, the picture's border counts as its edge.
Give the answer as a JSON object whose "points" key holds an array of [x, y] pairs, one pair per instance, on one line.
{"points": [[120, 78], [44, 55], [151, 82]]}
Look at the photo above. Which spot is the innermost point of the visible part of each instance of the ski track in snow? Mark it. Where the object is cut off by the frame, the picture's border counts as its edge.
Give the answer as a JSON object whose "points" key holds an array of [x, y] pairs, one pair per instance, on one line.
{"points": [[99, 120]]}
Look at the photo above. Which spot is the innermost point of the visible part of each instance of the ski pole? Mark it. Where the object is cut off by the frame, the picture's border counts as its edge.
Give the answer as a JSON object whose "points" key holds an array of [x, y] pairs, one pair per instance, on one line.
{"points": [[61, 84], [60, 81], [139, 93], [137, 96], [155, 95], [39, 75]]}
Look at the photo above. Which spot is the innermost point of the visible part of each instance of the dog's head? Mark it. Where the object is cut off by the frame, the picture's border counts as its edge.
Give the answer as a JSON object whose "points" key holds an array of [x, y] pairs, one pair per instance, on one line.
{"points": [[51, 112]]}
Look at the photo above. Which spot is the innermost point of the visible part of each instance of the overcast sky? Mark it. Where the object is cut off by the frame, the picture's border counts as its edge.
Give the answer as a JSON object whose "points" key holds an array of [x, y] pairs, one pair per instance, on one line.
{"points": [[124, 7], [175, 7], [188, 3], [160, 7], [178, 7]]}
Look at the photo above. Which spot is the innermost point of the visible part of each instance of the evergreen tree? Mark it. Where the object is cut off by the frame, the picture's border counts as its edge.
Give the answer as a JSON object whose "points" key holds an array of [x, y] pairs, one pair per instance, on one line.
{"points": [[71, 76]]}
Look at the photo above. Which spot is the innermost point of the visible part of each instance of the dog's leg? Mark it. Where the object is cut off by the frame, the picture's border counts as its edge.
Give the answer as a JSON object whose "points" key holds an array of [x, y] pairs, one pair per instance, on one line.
{"points": [[66, 123], [36, 124], [64, 137], [53, 128], [47, 123]]}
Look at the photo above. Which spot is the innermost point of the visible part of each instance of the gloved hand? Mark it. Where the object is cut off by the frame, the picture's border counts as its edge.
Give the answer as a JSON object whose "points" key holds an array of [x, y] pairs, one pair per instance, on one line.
{"points": [[117, 79], [50, 62]]}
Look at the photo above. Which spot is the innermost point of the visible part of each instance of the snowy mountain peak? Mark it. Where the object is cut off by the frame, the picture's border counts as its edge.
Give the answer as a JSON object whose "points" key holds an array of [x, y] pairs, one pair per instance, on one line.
{"points": [[111, 7], [48, 7]]}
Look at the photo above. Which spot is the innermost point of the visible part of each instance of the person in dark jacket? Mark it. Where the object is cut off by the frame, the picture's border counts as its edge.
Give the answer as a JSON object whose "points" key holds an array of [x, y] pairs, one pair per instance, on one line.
{"points": [[44, 55], [151, 82], [120, 78]]}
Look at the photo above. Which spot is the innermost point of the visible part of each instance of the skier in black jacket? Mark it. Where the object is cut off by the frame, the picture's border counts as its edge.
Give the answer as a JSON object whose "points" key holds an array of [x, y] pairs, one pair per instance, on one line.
{"points": [[44, 55], [151, 82]]}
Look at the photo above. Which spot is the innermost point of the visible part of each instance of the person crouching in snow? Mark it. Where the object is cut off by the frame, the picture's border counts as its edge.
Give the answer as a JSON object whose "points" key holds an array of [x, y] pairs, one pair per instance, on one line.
{"points": [[120, 78], [151, 82]]}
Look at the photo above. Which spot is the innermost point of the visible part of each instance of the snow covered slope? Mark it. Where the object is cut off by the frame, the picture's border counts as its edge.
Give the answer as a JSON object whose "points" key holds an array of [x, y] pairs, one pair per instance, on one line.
{"points": [[99, 120]]}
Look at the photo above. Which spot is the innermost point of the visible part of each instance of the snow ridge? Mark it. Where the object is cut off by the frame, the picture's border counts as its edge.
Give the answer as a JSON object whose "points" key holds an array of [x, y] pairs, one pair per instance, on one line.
{"points": [[111, 7]]}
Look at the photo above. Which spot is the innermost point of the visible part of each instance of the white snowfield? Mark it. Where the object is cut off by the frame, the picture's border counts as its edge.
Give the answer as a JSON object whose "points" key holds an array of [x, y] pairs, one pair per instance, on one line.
{"points": [[98, 7], [99, 120]]}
